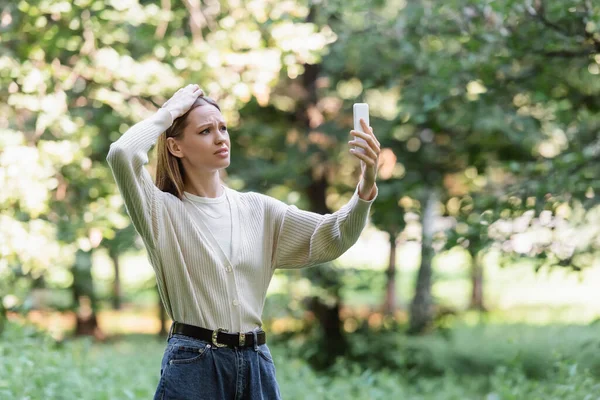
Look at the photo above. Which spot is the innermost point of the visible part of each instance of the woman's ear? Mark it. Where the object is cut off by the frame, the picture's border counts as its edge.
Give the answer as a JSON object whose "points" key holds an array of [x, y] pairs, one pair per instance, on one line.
{"points": [[174, 147]]}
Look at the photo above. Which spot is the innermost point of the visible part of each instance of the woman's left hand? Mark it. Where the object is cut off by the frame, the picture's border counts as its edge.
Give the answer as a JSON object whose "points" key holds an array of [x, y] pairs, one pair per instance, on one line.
{"points": [[369, 158]]}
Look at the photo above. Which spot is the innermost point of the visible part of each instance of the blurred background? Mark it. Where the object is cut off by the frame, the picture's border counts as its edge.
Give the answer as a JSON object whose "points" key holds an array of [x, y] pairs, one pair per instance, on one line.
{"points": [[478, 274]]}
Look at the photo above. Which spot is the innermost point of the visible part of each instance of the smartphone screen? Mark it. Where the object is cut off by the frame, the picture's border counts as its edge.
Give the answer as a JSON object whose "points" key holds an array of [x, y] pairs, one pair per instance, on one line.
{"points": [[360, 110]]}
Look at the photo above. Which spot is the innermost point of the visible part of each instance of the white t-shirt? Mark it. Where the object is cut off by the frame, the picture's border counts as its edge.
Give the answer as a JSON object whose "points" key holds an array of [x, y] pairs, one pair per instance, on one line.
{"points": [[217, 217]]}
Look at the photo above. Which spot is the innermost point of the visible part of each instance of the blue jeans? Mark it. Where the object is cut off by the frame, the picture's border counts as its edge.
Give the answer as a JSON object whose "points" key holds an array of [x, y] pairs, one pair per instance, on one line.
{"points": [[194, 369]]}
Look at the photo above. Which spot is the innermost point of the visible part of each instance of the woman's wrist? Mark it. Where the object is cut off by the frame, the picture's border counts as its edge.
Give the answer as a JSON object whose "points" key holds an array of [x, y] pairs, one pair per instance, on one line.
{"points": [[367, 191], [170, 114]]}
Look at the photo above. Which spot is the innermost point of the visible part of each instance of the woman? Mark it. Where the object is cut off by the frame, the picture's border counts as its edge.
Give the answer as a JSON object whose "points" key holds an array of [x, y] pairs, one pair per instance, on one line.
{"points": [[214, 249]]}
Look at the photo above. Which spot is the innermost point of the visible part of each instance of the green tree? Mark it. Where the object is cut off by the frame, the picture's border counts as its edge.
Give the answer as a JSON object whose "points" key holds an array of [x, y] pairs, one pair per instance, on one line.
{"points": [[76, 75]]}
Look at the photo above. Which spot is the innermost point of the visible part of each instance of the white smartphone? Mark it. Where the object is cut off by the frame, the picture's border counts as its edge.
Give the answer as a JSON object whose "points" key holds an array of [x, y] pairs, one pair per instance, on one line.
{"points": [[360, 110]]}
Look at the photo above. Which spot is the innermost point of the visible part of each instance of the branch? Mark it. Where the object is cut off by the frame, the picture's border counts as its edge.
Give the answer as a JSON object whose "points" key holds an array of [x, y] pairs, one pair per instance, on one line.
{"points": [[565, 53], [587, 5], [197, 19], [588, 16], [89, 44], [540, 13], [161, 29]]}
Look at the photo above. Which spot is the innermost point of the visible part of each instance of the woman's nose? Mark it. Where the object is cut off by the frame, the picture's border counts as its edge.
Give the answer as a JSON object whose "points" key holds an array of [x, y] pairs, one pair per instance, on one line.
{"points": [[221, 136]]}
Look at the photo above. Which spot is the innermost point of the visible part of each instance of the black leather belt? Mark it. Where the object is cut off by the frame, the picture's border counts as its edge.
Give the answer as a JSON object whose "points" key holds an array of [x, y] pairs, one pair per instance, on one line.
{"points": [[219, 337]]}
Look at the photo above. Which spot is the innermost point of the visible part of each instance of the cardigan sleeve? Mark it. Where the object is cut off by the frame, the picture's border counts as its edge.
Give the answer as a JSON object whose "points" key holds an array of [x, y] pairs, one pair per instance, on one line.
{"points": [[127, 157], [304, 238]]}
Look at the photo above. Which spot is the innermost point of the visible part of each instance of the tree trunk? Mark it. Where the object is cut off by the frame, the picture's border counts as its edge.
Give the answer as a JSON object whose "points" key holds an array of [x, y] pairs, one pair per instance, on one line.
{"points": [[116, 300], [328, 316], [3, 317], [421, 310], [389, 306], [477, 284], [84, 298], [334, 341]]}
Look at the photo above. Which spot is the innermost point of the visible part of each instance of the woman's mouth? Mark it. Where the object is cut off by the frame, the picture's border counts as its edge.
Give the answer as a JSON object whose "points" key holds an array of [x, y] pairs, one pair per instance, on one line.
{"points": [[223, 153]]}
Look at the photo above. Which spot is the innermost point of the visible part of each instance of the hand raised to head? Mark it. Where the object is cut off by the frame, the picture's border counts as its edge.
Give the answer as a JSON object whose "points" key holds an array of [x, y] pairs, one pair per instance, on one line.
{"points": [[182, 100]]}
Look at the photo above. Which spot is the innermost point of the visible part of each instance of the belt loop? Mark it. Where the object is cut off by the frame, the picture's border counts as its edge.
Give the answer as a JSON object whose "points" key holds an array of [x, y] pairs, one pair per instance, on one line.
{"points": [[255, 340], [170, 331]]}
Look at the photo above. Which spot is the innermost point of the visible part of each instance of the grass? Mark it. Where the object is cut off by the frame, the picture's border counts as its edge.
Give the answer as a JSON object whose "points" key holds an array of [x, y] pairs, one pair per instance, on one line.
{"points": [[523, 349], [491, 363]]}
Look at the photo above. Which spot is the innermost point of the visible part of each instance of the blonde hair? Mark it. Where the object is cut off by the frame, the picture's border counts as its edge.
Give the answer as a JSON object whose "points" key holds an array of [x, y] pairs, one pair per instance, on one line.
{"points": [[169, 170]]}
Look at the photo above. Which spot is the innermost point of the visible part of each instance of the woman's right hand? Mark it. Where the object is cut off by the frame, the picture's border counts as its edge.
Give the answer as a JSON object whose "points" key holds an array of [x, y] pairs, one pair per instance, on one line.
{"points": [[182, 100]]}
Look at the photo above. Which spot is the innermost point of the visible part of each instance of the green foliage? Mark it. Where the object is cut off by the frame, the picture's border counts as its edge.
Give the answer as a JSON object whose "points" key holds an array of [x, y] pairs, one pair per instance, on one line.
{"points": [[76, 75], [492, 104], [472, 366]]}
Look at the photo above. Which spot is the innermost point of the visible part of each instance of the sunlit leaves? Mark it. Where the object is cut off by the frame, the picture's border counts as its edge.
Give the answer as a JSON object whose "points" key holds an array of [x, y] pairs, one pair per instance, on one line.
{"points": [[75, 75]]}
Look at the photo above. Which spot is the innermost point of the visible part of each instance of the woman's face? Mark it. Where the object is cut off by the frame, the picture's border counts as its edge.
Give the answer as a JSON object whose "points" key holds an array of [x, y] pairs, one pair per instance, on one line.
{"points": [[203, 137]]}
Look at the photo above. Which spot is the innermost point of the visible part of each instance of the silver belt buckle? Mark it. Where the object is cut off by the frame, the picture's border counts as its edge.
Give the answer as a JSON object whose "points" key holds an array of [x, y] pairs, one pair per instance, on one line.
{"points": [[242, 339], [214, 336]]}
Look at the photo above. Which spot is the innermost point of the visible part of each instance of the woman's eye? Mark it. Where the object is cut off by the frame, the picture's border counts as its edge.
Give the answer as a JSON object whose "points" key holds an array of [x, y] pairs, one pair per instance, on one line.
{"points": [[223, 128], [205, 131]]}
